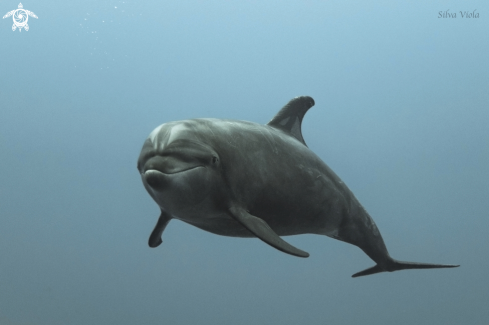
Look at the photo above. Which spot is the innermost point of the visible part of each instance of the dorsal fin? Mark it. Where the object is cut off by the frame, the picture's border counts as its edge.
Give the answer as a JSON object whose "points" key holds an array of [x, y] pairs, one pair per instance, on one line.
{"points": [[289, 118]]}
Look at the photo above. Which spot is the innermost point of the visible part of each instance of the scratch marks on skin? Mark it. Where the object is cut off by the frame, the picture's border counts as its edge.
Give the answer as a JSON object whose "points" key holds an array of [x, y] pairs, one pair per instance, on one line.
{"points": [[153, 135], [284, 121], [161, 138], [175, 132], [269, 136], [209, 128], [229, 125]]}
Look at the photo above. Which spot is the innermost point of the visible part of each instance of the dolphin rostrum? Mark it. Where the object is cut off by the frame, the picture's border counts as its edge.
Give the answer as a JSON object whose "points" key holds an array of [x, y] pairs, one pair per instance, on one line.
{"points": [[242, 179]]}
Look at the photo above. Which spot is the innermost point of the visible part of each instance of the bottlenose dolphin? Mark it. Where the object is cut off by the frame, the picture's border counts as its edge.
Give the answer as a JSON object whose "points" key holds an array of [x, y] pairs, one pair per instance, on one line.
{"points": [[242, 179]]}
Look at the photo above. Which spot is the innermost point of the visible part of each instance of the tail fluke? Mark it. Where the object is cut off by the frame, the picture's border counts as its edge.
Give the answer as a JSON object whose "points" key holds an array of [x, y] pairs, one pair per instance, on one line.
{"points": [[370, 270], [399, 265]]}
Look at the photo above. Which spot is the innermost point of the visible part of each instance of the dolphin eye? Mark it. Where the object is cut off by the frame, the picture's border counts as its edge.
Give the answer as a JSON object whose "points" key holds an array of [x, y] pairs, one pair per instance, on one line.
{"points": [[215, 160]]}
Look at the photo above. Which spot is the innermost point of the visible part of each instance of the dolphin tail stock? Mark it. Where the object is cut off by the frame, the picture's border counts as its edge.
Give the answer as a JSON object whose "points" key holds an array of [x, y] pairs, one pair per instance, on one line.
{"points": [[395, 265]]}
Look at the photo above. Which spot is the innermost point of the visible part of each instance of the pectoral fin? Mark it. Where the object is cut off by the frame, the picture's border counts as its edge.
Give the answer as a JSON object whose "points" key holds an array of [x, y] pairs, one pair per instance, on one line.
{"points": [[155, 237], [262, 230]]}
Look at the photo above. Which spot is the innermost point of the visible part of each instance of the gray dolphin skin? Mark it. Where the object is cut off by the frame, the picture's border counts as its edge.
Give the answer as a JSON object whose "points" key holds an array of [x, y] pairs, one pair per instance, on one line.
{"points": [[242, 179]]}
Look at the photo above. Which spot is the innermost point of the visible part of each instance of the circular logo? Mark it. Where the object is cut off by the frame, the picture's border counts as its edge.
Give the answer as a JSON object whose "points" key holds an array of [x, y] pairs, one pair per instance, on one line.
{"points": [[20, 17]]}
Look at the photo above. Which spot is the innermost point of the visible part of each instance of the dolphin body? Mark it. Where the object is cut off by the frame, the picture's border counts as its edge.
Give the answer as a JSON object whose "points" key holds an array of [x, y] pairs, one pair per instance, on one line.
{"points": [[242, 179]]}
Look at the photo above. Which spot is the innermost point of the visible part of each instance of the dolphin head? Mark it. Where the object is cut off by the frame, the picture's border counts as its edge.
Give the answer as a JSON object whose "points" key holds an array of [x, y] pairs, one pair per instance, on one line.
{"points": [[177, 167]]}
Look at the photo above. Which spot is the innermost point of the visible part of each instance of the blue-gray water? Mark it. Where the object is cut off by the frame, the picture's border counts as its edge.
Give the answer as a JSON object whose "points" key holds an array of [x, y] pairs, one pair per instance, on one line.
{"points": [[401, 115]]}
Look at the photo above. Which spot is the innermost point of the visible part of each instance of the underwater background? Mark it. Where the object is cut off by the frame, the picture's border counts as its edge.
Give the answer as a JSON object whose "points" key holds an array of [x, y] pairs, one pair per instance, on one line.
{"points": [[402, 114]]}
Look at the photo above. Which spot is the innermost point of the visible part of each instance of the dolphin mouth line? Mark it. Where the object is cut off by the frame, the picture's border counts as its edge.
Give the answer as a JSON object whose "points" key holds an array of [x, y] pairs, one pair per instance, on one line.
{"points": [[155, 171]]}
